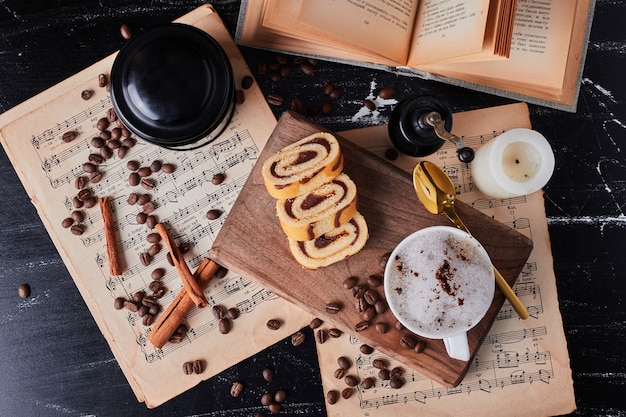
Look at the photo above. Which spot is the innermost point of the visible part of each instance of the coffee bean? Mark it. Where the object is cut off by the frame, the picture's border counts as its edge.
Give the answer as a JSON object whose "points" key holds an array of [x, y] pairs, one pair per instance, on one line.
{"points": [[351, 380], [296, 104], [336, 94], [371, 296], [332, 396], [350, 282], [236, 389], [359, 291], [116, 134], [307, 68], [118, 303], [384, 374], [382, 327], [369, 104], [396, 372], [268, 374], [360, 305], [280, 396], [340, 373], [188, 368], [77, 203], [396, 383], [380, 363], [343, 362], [233, 313], [419, 347], [89, 167], [213, 214], [151, 221], [333, 308], [128, 142], [147, 183], [157, 274], [134, 179], [86, 94], [155, 286], [141, 218], [328, 88], [91, 202], [267, 398], [368, 314], [103, 80], [361, 326], [375, 280], [131, 306], [275, 99], [102, 123], [273, 324], [218, 178], [168, 168], [246, 82], [153, 237], [225, 325], [367, 383], [144, 172], [155, 166], [218, 311], [77, 229], [198, 366], [126, 31], [347, 392], [315, 323], [408, 342], [334, 332], [84, 194], [80, 182], [78, 216], [387, 92], [297, 338], [327, 108], [23, 290], [67, 222], [261, 67], [145, 258], [366, 349], [221, 272], [142, 199], [106, 152], [111, 115], [322, 336], [67, 137], [154, 249], [149, 207], [138, 296], [274, 408], [380, 306], [95, 177], [105, 135], [148, 320]]}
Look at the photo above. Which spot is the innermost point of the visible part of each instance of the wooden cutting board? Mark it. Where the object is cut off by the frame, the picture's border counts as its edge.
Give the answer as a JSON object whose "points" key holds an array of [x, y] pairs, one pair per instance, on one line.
{"points": [[252, 243]]}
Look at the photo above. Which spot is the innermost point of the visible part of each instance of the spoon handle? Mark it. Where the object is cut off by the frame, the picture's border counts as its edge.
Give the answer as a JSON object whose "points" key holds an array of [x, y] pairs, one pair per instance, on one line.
{"points": [[504, 286], [510, 295]]}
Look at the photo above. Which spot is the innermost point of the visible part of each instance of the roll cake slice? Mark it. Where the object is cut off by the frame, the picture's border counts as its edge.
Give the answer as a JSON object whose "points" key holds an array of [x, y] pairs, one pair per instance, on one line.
{"points": [[321, 210], [302, 166], [332, 247]]}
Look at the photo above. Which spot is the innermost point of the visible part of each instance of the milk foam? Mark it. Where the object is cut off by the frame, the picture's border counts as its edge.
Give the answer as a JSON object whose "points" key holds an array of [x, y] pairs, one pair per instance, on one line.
{"points": [[442, 284]]}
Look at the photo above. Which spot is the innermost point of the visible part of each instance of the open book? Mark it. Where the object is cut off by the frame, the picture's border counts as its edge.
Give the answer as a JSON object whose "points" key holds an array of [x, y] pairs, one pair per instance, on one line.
{"points": [[524, 49]]}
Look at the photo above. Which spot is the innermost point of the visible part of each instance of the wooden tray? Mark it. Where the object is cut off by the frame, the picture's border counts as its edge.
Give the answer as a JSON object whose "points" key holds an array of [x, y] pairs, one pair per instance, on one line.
{"points": [[252, 243]]}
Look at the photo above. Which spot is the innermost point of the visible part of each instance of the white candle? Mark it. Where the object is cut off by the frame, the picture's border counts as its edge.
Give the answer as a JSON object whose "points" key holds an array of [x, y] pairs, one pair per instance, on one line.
{"points": [[518, 162]]}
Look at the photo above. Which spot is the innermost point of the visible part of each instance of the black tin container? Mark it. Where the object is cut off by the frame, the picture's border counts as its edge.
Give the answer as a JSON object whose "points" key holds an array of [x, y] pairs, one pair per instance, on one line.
{"points": [[173, 86]]}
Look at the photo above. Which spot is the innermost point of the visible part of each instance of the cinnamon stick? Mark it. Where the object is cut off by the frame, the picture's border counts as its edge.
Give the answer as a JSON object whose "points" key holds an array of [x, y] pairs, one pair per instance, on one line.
{"points": [[189, 283], [109, 235], [178, 309]]}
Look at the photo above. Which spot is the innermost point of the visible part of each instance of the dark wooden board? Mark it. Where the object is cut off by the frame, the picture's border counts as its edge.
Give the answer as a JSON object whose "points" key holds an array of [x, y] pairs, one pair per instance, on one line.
{"points": [[252, 243]]}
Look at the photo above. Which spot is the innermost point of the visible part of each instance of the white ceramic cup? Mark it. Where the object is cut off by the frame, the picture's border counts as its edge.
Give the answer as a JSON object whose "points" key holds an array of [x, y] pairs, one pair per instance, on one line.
{"points": [[439, 283]]}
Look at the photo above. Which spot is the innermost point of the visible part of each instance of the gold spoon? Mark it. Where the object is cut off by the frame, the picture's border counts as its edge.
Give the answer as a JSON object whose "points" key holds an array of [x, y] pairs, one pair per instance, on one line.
{"points": [[436, 192]]}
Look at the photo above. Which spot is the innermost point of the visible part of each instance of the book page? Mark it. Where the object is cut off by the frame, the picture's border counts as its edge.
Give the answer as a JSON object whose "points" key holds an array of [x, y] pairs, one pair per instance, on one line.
{"points": [[447, 28], [539, 51], [383, 26], [47, 166], [519, 359]]}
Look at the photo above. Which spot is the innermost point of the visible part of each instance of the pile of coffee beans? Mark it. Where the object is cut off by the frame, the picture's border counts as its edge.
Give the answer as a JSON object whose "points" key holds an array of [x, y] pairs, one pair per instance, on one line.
{"points": [[146, 306], [225, 317], [193, 367]]}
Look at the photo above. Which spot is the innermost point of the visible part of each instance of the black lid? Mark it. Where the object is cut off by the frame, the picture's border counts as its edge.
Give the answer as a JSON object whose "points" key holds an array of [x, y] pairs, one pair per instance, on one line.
{"points": [[172, 85]]}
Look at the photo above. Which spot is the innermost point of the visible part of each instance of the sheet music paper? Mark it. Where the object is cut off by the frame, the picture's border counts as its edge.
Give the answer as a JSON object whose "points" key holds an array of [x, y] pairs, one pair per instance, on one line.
{"points": [[523, 365], [47, 166]]}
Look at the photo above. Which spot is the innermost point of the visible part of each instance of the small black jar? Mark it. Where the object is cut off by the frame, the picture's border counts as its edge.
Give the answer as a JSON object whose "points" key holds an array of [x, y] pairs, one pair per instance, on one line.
{"points": [[173, 86]]}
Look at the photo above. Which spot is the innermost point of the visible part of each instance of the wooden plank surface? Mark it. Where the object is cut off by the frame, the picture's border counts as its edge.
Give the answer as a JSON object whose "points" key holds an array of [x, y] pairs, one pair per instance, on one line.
{"points": [[252, 243]]}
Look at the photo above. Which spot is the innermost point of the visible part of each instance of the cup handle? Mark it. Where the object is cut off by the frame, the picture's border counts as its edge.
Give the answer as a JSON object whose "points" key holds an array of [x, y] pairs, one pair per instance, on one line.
{"points": [[457, 347]]}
